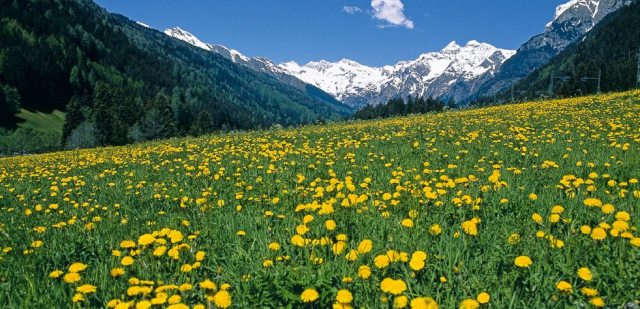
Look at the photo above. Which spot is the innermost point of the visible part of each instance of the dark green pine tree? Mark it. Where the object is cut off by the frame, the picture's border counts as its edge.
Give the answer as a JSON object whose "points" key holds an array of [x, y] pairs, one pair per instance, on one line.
{"points": [[74, 116], [103, 115], [158, 122], [202, 125], [9, 104]]}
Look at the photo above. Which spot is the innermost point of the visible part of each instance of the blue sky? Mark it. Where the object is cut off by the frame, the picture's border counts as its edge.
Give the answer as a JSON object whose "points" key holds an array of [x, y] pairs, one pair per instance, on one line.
{"points": [[372, 32]]}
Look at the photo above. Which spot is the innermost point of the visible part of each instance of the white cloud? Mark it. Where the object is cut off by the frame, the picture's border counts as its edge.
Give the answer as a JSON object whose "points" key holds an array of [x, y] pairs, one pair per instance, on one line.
{"points": [[392, 12], [351, 9]]}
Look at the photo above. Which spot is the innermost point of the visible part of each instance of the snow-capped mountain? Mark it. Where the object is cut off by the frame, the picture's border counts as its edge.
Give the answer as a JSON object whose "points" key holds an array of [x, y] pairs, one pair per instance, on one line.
{"points": [[257, 63], [448, 73], [571, 22], [461, 73]]}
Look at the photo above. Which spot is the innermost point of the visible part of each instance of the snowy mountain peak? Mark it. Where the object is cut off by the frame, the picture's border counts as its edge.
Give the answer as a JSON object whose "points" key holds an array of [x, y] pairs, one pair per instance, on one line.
{"points": [[453, 46], [431, 74], [473, 43], [184, 35], [589, 12]]}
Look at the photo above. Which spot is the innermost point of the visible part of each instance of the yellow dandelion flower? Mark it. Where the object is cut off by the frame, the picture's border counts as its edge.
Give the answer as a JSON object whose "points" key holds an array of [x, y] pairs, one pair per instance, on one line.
{"points": [[146, 239], [592, 202], [537, 218], [297, 240], [222, 299], [483, 298], [77, 267], [423, 303], [597, 302], [469, 304], [365, 246], [407, 223], [608, 209], [344, 297], [309, 295], [86, 289], [56, 274], [174, 299], [330, 225], [117, 272], [391, 286], [364, 272], [435, 229], [78, 297], [523, 261], [71, 277], [143, 304], [590, 292], [400, 302], [598, 233], [381, 261], [585, 274], [208, 285], [127, 261], [564, 287], [127, 244]]}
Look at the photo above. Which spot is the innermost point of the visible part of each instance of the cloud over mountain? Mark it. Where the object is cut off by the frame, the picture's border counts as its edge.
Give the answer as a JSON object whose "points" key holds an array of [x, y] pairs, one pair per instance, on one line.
{"points": [[391, 12]]}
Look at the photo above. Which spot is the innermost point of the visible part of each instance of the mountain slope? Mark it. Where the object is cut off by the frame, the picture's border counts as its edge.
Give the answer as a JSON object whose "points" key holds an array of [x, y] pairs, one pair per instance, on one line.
{"points": [[610, 47], [449, 73], [259, 64], [57, 50], [572, 21]]}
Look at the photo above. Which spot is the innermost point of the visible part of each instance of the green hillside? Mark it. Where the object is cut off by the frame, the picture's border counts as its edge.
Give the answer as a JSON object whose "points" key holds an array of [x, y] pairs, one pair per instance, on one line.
{"points": [[114, 77], [43, 122], [611, 47]]}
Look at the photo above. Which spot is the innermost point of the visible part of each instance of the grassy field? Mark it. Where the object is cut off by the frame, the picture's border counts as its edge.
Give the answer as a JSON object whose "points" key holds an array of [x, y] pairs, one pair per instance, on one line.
{"points": [[42, 122], [522, 206]]}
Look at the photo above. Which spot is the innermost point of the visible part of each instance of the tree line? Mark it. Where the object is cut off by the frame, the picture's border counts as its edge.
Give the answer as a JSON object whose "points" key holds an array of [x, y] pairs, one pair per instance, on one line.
{"points": [[399, 107]]}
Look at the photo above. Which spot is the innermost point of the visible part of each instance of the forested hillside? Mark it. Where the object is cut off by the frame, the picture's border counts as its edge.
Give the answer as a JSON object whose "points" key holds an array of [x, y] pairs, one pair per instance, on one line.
{"points": [[121, 82], [611, 49]]}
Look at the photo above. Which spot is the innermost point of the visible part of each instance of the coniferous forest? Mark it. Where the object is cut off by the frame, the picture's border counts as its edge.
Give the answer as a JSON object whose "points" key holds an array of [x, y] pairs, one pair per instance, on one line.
{"points": [[610, 49], [119, 82], [400, 107]]}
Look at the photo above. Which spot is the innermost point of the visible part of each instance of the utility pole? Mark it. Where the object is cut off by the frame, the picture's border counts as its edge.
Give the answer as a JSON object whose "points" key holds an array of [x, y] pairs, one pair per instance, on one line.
{"points": [[638, 69], [514, 91], [599, 79], [551, 83]]}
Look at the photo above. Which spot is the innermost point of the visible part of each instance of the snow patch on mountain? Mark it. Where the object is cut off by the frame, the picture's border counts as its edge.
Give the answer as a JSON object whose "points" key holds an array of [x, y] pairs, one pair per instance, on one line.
{"points": [[183, 35], [143, 24]]}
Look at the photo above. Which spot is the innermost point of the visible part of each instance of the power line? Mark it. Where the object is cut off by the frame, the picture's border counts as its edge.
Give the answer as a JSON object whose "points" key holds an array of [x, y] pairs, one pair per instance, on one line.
{"points": [[514, 91], [599, 79], [552, 80]]}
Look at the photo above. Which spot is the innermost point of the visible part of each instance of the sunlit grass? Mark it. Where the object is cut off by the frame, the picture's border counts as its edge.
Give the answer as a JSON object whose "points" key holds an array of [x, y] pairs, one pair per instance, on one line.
{"points": [[530, 205]]}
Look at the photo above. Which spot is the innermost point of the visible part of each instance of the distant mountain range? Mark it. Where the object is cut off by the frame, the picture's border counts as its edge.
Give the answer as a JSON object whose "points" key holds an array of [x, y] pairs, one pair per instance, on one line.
{"points": [[460, 73], [451, 72]]}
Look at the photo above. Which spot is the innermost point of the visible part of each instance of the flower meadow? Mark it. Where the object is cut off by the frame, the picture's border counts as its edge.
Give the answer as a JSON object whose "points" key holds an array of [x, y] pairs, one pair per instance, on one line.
{"points": [[523, 206]]}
